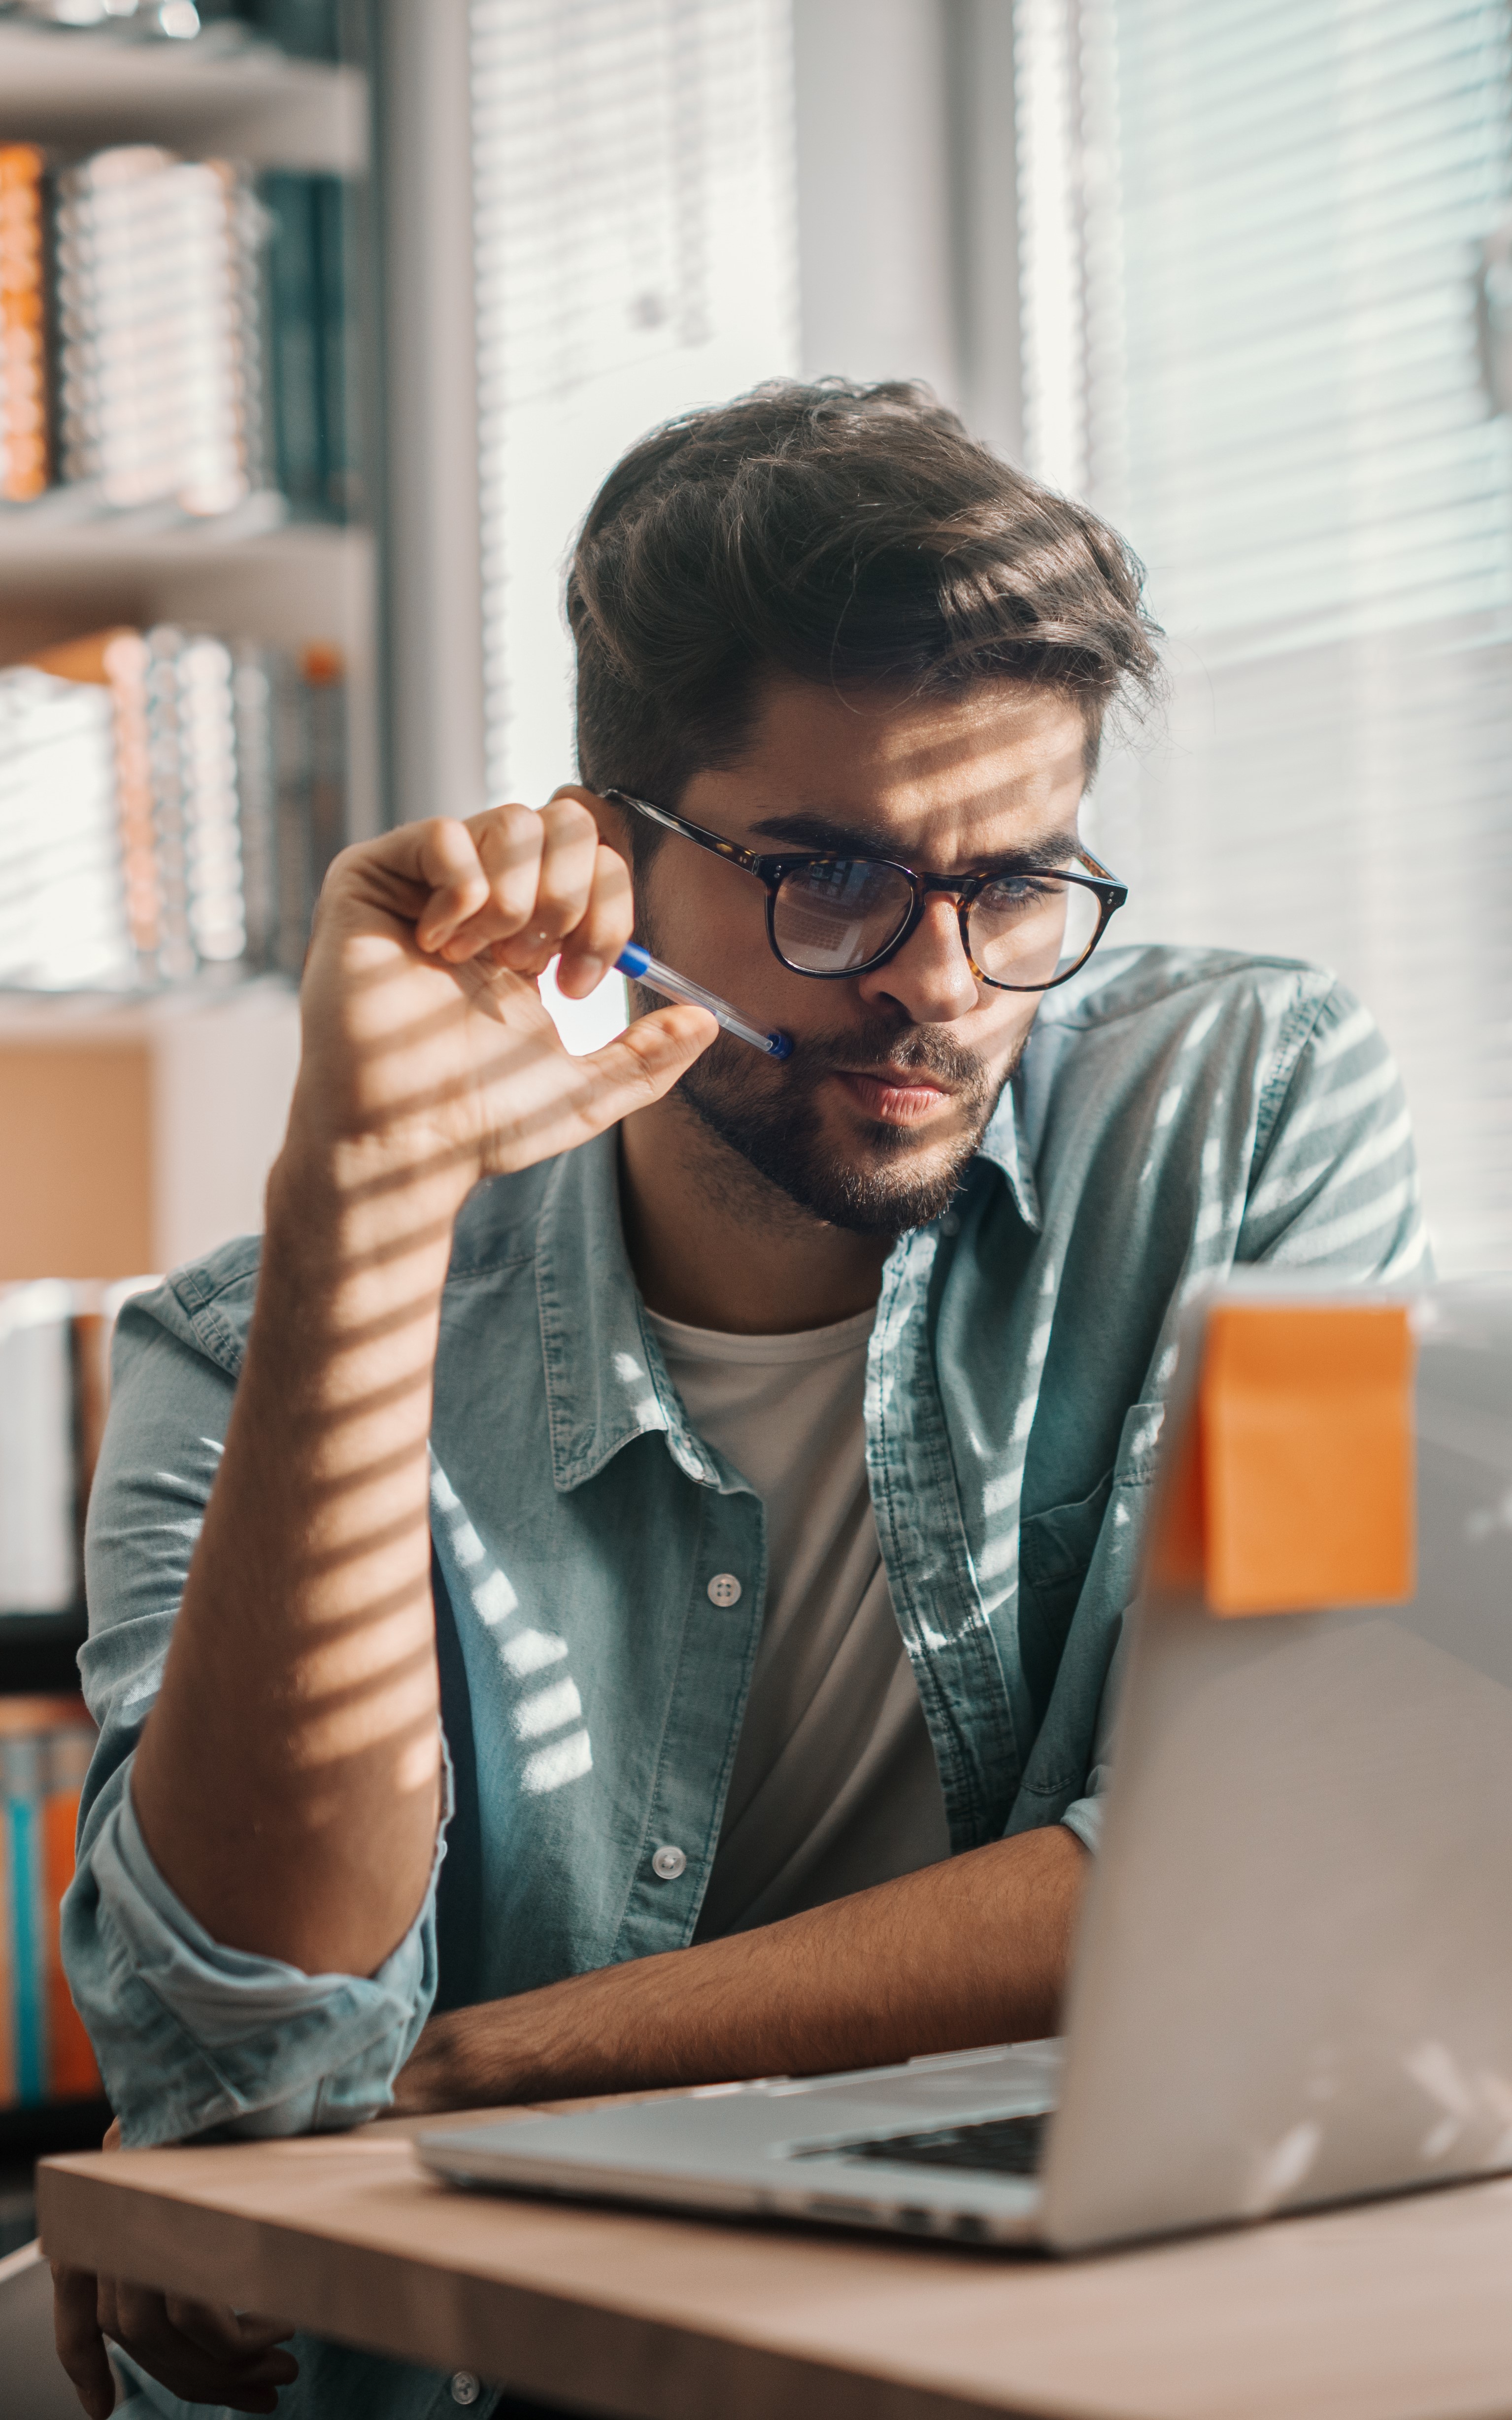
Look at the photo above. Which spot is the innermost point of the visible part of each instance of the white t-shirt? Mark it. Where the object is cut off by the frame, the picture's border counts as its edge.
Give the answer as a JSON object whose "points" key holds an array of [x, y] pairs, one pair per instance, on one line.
{"points": [[836, 1785]]}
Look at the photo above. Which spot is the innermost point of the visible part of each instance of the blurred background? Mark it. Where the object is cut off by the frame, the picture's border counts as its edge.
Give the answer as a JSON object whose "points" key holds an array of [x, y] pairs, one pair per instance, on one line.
{"points": [[321, 319]]}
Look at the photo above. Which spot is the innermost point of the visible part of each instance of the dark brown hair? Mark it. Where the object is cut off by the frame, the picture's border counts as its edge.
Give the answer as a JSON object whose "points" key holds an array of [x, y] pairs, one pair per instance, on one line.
{"points": [[844, 533]]}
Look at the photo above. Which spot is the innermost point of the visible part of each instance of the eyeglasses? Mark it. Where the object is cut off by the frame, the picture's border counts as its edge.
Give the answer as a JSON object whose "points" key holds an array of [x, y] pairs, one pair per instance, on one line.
{"points": [[834, 916]]}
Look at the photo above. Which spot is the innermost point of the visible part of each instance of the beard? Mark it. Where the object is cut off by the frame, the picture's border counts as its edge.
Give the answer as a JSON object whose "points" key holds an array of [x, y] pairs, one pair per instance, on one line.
{"points": [[771, 1116]]}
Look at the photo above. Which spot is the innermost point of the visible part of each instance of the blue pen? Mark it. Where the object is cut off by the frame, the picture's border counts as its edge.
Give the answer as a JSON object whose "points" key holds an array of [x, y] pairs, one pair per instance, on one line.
{"points": [[642, 968]]}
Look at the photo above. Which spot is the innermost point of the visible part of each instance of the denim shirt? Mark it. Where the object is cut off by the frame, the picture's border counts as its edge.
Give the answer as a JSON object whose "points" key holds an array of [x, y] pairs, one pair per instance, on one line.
{"points": [[1176, 1111]]}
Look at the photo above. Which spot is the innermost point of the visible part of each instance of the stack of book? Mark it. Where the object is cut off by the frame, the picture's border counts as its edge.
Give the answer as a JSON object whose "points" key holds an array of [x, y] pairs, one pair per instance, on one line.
{"points": [[44, 1752], [62, 915], [159, 354], [196, 319], [24, 432], [169, 802]]}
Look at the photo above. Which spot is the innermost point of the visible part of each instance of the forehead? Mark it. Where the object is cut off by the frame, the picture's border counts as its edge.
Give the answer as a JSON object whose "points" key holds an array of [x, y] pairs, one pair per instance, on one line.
{"points": [[1006, 754]]}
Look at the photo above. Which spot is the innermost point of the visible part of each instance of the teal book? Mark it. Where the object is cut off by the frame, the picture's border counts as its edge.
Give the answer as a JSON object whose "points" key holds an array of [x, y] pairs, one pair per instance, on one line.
{"points": [[21, 1807], [334, 236], [292, 325]]}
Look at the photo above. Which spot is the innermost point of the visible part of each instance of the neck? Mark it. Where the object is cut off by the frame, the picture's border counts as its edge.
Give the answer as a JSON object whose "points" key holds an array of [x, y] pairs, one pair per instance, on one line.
{"points": [[716, 1244]]}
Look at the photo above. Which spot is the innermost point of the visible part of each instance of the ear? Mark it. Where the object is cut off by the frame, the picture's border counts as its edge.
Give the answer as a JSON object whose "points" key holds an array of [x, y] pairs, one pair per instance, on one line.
{"points": [[614, 824]]}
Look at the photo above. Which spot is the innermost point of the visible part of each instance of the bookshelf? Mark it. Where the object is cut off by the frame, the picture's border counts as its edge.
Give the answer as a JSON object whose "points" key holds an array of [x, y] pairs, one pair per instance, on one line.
{"points": [[216, 1048]]}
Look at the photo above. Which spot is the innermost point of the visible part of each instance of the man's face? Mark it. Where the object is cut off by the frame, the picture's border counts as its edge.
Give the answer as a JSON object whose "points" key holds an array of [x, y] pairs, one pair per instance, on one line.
{"points": [[894, 1073]]}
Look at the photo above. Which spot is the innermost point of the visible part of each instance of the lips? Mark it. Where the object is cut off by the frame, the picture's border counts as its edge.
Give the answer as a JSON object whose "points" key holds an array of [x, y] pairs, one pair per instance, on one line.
{"points": [[899, 1096]]}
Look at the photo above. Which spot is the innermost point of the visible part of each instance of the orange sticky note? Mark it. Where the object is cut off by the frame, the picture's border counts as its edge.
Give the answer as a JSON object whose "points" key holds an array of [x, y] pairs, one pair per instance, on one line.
{"points": [[1307, 1463]]}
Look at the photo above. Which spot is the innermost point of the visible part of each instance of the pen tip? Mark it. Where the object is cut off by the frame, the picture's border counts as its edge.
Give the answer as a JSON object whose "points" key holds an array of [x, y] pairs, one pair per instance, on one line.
{"points": [[780, 1045]]}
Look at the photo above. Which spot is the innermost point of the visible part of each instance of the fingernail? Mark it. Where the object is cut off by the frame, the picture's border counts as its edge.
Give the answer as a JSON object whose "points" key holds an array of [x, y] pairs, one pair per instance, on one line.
{"points": [[591, 971]]}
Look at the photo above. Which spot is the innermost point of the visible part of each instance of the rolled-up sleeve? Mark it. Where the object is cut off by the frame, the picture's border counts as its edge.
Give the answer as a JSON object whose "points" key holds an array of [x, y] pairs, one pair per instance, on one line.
{"points": [[192, 2036]]}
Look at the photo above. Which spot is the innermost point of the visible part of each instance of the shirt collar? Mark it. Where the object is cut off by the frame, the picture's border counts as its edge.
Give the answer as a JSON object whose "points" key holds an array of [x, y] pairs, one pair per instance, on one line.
{"points": [[1002, 1145], [605, 1379]]}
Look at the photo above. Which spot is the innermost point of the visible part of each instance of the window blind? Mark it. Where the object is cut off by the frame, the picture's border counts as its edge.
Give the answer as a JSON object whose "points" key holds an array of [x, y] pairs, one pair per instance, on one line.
{"points": [[636, 254], [1253, 237]]}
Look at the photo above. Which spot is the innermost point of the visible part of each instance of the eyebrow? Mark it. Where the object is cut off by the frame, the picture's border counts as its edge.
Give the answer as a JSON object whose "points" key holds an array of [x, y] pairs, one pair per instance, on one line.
{"points": [[816, 831]]}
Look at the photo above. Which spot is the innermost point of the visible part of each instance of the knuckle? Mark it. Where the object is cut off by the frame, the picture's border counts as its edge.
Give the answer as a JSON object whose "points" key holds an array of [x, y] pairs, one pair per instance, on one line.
{"points": [[570, 820]]}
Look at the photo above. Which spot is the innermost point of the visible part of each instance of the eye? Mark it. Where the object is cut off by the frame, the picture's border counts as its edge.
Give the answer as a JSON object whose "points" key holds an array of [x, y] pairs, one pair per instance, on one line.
{"points": [[1009, 892]]}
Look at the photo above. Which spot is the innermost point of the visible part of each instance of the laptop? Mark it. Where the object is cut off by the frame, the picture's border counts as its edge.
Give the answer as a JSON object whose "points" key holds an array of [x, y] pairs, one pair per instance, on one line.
{"points": [[1292, 1981]]}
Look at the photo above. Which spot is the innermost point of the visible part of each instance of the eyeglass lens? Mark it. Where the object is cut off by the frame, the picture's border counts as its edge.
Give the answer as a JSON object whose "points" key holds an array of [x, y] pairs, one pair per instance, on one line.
{"points": [[1026, 930]]}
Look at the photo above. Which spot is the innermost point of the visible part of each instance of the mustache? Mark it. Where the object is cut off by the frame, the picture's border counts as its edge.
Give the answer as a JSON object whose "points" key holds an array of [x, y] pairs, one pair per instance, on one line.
{"points": [[911, 1050]]}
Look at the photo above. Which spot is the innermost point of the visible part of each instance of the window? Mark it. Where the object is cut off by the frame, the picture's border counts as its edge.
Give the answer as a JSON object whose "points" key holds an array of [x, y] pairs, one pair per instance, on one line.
{"points": [[1256, 239], [635, 254]]}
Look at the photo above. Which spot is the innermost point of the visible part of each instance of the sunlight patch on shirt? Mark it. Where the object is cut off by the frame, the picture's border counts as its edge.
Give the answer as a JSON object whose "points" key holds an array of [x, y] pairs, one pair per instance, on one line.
{"points": [[466, 1545], [1344, 1038], [443, 1494], [552, 1767], [1003, 1491], [547, 1710], [532, 1650], [1202, 1025], [494, 1600], [999, 1555]]}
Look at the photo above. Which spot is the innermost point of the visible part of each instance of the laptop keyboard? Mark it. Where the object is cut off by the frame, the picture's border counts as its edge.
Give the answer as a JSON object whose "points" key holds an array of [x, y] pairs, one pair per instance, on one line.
{"points": [[1001, 2146]]}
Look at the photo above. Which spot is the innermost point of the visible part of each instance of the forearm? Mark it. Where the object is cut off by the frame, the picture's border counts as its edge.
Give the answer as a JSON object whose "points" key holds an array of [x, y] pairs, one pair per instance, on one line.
{"points": [[974, 1950], [287, 1780]]}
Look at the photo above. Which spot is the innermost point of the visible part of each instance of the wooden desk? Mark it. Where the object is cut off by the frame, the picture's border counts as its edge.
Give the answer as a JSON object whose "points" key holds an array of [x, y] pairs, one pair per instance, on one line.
{"points": [[1400, 2311]]}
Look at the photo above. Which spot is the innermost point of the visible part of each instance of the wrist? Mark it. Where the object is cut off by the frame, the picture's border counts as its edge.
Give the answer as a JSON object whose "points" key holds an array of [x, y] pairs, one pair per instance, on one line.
{"points": [[351, 1200]]}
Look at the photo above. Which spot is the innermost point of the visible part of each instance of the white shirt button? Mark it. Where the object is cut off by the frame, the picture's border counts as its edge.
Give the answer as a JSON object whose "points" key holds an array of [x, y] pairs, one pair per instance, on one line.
{"points": [[725, 1588], [668, 1864], [465, 2388]]}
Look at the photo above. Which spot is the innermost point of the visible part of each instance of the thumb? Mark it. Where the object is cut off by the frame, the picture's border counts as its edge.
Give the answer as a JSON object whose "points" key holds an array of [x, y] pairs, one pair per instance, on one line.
{"points": [[642, 1064]]}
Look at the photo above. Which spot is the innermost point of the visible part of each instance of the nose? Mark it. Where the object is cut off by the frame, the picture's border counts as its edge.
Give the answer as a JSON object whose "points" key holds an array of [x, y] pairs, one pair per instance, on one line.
{"points": [[931, 979]]}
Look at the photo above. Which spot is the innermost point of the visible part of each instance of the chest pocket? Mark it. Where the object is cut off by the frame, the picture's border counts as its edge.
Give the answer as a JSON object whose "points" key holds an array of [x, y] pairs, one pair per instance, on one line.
{"points": [[1058, 1548]]}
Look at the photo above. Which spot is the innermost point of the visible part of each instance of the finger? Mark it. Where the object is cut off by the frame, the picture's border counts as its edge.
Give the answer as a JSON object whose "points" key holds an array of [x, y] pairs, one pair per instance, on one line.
{"points": [[247, 2382], [227, 2335], [81, 2346], [544, 901], [604, 930], [635, 1069], [508, 843], [440, 857]]}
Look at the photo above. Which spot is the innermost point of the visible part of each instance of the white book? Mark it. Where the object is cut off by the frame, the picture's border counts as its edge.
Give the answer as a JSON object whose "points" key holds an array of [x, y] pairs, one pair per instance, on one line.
{"points": [[39, 1552]]}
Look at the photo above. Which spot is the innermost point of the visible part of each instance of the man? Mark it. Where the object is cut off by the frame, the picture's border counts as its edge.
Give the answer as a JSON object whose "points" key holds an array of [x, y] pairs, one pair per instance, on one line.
{"points": [[747, 1458]]}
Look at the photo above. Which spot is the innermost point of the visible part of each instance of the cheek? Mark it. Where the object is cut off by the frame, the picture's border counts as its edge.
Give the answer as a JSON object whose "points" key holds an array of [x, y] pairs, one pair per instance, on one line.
{"points": [[709, 917], [1006, 1019]]}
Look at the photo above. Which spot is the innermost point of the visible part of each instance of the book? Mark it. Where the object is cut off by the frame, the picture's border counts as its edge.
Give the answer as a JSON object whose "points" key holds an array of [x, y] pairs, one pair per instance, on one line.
{"points": [[178, 821], [39, 1431], [159, 354], [45, 2053], [25, 464], [62, 909]]}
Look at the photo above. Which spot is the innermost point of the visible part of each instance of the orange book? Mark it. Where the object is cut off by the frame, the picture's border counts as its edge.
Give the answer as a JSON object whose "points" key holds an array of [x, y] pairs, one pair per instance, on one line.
{"points": [[116, 659], [73, 2074], [24, 465], [71, 2060]]}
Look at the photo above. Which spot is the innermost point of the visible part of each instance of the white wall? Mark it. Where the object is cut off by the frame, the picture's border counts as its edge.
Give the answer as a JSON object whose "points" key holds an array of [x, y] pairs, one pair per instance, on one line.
{"points": [[906, 219]]}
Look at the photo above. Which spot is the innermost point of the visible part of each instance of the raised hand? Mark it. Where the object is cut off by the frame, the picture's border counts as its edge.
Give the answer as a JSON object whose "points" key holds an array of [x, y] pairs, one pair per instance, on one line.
{"points": [[425, 1035]]}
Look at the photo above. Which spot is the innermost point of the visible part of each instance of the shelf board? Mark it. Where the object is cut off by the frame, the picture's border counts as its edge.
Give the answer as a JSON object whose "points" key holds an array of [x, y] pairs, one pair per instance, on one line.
{"points": [[90, 1018], [84, 90], [62, 534]]}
